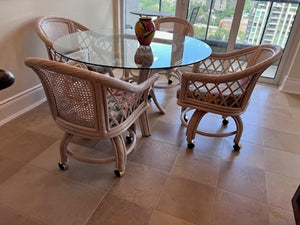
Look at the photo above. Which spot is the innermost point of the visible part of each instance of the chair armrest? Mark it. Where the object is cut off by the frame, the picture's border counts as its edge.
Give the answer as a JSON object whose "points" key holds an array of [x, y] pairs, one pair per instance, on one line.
{"points": [[125, 86], [217, 78]]}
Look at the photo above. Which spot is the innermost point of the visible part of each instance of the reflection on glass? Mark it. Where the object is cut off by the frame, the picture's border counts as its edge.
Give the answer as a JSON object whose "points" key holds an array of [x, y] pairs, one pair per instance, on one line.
{"points": [[143, 57]]}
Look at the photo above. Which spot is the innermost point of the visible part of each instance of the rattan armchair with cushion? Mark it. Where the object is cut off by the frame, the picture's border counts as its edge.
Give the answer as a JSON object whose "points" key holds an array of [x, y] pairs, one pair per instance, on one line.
{"points": [[50, 28], [222, 84], [86, 104]]}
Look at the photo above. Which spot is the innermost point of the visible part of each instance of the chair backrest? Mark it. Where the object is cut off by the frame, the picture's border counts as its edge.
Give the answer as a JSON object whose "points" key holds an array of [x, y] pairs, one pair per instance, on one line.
{"points": [[84, 102], [225, 81], [174, 25], [50, 28], [194, 15]]}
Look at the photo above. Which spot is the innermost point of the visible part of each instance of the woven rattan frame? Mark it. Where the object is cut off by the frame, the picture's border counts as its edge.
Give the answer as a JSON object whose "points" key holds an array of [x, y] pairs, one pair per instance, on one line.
{"points": [[87, 104], [223, 84], [50, 28], [178, 25]]}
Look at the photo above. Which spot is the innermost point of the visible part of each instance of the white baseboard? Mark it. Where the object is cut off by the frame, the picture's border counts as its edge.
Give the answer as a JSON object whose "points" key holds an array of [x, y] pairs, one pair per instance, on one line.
{"points": [[290, 85], [21, 103]]}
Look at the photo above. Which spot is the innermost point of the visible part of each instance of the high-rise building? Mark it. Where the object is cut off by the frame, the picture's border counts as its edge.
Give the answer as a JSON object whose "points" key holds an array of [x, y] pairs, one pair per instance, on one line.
{"points": [[278, 18], [219, 5]]}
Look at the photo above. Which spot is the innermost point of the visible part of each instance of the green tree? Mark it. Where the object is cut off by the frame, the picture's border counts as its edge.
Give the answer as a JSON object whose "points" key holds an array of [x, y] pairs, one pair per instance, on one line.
{"points": [[199, 32], [148, 4], [220, 35]]}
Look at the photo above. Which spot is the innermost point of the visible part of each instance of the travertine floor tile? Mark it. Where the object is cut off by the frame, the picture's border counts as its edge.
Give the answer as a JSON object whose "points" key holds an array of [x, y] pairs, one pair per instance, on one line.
{"points": [[280, 121], [25, 147], [39, 120], [251, 133], [12, 217], [165, 183], [8, 167], [250, 154], [113, 211], [280, 216], [173, 134], [140, 184], [281, 190], [283, 163], [96, 175], [156, 154], [244, 180], [281, 140], [49, 197], [196, 166], [208, 145], [187, 200], [233, 209], [165, 219]]}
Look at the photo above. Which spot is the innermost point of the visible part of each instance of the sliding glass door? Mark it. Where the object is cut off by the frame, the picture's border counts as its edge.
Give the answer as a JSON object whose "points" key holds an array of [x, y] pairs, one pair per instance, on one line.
{"points": [[231, 24]]}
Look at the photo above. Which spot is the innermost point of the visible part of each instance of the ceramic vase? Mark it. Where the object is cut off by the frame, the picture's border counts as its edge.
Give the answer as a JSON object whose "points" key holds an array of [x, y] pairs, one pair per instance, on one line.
{"points": [[144, 30]]}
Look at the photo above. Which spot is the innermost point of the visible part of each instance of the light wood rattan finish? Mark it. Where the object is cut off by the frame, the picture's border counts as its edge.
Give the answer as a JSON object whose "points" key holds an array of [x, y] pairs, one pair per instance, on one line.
{"points": [[90, 105], [51, 28], [223, 84], [173, 25]]}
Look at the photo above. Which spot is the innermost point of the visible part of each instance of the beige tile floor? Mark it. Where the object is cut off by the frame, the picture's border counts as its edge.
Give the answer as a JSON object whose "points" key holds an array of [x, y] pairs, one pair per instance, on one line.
{"points": [[165, 183]]}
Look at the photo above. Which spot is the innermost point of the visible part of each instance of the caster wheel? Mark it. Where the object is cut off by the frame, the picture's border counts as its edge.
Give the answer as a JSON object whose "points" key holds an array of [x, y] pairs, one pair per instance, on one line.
{"points": [[62, 166], [149, 97], [225, 122], [191, 145], [119, 173], [128, 139], [170, 82], [237, 147], [185, 118]]}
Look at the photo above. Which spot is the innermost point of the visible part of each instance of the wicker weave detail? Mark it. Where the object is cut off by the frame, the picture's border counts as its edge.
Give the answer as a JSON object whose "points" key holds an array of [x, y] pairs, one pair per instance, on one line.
{"points": [[121, 105], [224, 66], [73, 98], [224, 94]]}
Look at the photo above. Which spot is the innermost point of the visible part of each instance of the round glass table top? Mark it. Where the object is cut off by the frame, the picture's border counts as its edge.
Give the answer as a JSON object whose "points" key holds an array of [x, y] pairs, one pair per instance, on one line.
{"points": [[122, 50]]}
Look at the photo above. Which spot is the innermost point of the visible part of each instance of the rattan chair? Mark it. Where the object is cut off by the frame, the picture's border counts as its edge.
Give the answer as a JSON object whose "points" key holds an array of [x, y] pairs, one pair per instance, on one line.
{"points": [[222, 84], [51, 28], [173, 25], [89, 105]]}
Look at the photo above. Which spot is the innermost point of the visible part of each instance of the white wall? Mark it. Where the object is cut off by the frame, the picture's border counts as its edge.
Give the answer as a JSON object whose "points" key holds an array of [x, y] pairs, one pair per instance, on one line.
{"points": [[18, 39]]}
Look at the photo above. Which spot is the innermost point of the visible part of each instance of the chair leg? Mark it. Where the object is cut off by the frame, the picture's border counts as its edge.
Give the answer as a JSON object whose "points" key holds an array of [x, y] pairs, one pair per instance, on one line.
{"points": [[239, 131], [63, 164], [144, 124], [121, 155], [152, 93], [192, 127]]}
